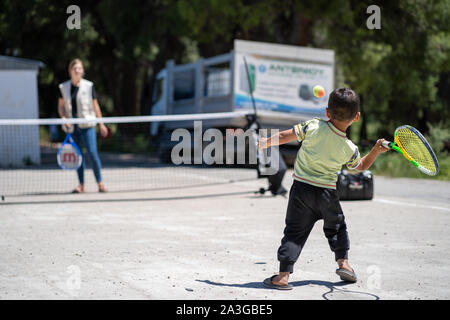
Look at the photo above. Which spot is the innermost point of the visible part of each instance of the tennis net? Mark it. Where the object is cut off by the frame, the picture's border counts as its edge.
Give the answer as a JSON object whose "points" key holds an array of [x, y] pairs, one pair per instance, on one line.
{"points": [[137, 154]]}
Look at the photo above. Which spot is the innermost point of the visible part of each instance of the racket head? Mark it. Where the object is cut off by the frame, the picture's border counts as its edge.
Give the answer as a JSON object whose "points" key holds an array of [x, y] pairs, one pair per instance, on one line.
{"points": [[416, 148], [69, 155]]}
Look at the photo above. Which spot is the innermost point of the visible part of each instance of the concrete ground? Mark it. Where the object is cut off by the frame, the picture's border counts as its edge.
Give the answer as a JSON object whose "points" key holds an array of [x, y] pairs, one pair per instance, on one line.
{"points": [[219, 242]]}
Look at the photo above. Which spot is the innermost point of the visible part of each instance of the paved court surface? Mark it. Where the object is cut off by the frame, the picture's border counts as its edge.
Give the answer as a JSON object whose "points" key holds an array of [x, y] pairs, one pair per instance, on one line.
{"points": [[219, 242]]}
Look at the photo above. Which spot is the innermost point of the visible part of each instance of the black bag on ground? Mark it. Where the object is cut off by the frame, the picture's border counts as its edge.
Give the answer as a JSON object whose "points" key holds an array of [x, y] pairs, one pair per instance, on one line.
{"points": [[357, 186]]}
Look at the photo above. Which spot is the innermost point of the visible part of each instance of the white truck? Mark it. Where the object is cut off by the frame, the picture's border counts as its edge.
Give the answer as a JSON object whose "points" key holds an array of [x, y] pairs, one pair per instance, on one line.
{"points": [[282, 78]]}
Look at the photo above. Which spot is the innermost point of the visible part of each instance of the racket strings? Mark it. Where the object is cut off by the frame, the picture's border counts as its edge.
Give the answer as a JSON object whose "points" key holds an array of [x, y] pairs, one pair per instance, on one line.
{"points": [[415, 148]]}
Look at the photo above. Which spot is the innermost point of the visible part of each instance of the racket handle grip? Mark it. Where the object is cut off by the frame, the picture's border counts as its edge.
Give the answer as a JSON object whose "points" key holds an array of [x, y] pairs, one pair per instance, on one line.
{"points": [[386, 144]]}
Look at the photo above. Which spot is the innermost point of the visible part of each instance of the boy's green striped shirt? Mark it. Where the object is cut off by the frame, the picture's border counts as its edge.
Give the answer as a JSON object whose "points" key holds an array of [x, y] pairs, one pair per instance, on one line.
{"points": [[323, 152]]}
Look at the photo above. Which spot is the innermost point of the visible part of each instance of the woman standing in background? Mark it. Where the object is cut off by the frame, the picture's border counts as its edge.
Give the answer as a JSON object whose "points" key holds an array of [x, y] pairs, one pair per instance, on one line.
{"points": [[78, 100]]}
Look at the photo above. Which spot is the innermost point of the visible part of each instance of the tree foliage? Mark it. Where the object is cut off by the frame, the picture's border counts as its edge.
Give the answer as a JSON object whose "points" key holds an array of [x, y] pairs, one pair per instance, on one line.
{"points": [[401, 71]]}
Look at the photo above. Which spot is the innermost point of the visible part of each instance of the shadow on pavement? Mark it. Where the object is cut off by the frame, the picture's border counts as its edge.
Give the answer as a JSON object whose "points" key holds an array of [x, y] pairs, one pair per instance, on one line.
{"points": [[332, 286]]}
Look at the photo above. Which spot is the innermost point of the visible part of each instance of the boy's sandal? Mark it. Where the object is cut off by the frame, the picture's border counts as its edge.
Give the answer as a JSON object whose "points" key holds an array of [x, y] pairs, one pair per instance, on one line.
{"points": [[349, 276], [268, 284]]}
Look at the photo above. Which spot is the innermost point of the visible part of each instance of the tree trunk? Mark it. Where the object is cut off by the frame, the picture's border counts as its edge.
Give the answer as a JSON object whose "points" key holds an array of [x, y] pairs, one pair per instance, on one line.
{"points": [[423, 120], [146, 93], [301, 34], [363, 131]]}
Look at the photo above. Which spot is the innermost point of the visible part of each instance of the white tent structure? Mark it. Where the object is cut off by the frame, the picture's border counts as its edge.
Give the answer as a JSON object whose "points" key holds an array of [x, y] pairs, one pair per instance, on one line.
{"points": [[19, 145]]}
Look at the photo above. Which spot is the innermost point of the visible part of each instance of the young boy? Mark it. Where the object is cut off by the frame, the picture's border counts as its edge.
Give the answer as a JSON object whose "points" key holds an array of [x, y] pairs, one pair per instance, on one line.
{"points": [[313, 196]]}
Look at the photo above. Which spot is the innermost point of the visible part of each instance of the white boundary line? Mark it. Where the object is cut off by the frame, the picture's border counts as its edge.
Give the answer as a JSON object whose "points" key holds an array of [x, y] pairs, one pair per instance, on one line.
{"points": [[411, 204]]}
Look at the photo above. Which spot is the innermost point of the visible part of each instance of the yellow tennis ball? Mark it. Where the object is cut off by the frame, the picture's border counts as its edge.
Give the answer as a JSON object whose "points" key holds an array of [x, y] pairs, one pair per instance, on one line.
{"points": [[318, 91]]}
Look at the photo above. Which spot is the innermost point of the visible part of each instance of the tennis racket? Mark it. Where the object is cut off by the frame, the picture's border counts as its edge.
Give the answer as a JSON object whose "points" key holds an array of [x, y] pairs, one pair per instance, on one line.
{"points": [[413, 146], [69, 155]]}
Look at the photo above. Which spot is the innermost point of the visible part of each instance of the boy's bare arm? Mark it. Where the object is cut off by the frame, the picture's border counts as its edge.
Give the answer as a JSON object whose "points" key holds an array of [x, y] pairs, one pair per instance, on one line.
{"points": [[282, 138], [369, 158]]}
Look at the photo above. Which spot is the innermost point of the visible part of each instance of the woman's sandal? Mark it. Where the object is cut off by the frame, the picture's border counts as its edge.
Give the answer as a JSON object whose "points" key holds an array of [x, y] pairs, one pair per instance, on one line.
{"points": [[77, 190]]}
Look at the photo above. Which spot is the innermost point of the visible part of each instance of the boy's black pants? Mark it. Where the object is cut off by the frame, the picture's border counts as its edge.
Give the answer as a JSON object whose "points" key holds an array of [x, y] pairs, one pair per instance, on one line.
{"points": [[307, 204]]}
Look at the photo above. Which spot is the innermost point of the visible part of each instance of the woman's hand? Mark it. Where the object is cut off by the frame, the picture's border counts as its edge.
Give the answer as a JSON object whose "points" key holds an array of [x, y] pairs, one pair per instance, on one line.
{"points": [[103, 130], [67, 126]]}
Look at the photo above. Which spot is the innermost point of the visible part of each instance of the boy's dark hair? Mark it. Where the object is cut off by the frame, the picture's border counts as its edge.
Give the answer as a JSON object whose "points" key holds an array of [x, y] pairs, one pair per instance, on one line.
{"points": [[343, 104]]}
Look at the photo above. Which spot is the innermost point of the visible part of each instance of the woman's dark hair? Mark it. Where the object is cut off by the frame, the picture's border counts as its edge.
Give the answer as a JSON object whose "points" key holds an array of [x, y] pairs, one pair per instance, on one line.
{"points": [[343, 104]]}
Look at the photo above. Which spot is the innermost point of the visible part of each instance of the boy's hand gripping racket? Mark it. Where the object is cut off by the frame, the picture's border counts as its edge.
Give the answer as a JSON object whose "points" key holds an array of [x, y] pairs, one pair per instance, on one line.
{"points": [[69, 155], [414, 147]]}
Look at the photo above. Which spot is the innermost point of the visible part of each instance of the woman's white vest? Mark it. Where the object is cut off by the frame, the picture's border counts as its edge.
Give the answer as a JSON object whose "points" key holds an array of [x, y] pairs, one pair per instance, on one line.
{"points": [[85, 106]]}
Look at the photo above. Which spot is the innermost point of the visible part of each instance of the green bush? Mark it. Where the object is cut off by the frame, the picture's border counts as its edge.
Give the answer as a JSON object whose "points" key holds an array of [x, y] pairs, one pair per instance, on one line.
{"points": [[439, 134], [120, 142]]}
